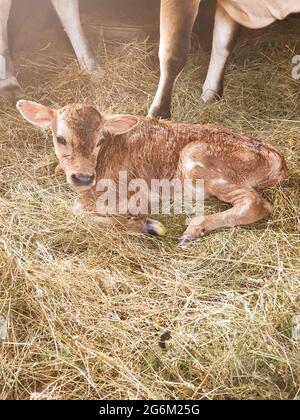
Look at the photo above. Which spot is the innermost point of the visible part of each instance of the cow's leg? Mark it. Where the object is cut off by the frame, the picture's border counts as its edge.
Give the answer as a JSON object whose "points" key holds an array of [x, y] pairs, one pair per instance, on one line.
{"points": [[8, 81], [69, 14], [248, 207], [225, 34], [177, 21]]}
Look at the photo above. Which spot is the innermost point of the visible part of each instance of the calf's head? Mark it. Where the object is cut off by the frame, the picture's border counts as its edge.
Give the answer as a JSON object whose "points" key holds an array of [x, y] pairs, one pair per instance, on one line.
{"points": [[78, 131]]}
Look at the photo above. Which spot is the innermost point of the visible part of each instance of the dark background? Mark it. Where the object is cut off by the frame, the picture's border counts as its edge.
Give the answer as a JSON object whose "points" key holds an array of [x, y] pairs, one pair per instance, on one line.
{"points": [[34, 25], [117, 19]]}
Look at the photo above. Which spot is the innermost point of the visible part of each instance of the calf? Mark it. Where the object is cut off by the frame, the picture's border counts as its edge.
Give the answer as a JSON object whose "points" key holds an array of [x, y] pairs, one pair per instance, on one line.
{"points": [[91, 147]]}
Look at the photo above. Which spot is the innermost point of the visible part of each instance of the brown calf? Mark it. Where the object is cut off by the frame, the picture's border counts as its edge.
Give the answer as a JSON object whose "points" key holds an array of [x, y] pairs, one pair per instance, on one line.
{"points": [[91, 146]]}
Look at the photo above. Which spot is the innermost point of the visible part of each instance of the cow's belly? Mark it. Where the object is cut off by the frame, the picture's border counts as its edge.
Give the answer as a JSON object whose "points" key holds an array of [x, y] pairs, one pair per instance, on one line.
{"points": [[257, 14]]}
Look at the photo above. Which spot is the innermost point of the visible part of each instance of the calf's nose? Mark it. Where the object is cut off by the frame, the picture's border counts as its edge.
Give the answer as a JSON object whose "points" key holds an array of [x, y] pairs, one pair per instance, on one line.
{"points": [[83, 179]]}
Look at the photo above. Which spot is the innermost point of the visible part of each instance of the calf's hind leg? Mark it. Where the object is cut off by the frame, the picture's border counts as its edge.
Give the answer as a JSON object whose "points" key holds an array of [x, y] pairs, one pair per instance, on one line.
{"points": [[248, 207]]}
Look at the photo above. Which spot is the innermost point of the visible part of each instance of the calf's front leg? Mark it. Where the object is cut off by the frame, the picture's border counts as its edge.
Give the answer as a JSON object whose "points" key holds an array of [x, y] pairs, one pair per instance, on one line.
{"points": [[69, 15], [131, 224], [224, 37], [177, 21], [8, 81]]}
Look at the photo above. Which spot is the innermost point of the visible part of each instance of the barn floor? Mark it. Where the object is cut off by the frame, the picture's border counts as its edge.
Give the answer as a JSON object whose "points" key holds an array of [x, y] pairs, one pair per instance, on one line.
{"points": [[86, 306]]}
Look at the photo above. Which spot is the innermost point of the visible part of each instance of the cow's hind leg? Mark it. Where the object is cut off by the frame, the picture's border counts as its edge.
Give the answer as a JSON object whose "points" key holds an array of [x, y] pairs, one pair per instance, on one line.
{"points": [[69, 15], [224, 37], [8, 81], [177, 21], [248, 208]]}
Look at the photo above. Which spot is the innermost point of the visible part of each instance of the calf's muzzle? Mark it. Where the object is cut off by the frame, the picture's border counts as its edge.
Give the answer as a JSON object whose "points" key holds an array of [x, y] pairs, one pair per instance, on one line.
{"points": [[82, 180]]}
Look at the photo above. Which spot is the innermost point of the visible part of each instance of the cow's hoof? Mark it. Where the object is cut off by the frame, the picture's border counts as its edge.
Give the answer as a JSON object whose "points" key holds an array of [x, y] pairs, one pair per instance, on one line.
{"points": [[9, 87], [98, 72], [210, 97], [163, 113], [154, 228], [94, 69]]}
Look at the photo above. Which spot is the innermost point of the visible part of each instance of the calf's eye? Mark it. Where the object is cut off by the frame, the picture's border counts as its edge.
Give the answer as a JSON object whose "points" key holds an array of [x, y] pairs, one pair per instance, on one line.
{"points": [[61, 140], [100, 142]]}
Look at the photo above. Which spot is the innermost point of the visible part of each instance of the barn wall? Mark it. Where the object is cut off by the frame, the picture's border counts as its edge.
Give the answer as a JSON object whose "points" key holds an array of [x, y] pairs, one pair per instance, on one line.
{"points": [[119, 19], [29, 17]]}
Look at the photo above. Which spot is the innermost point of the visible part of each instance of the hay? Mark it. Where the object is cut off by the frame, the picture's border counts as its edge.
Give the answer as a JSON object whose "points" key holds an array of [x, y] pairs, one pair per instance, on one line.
{"points": [[86, 306]]}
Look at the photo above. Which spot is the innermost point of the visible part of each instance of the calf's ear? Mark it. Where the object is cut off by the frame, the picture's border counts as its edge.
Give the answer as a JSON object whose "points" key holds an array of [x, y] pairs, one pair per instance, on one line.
{"points": [[119, 125], [36, 114]]}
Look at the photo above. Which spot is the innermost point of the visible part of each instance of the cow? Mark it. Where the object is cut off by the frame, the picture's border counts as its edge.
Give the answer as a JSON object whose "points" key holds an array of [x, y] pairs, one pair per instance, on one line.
{"points": [[177, 20], [8, 81], [91, 147]]}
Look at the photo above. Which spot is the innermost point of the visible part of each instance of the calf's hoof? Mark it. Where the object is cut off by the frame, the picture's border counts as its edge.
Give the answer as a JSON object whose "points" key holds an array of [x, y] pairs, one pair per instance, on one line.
{"points": [[9, 87], [154, 228], [185, 241]]}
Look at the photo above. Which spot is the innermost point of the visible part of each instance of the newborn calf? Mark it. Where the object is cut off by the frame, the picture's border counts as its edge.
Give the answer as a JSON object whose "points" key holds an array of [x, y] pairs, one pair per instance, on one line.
{"points": [[91, 147]]}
